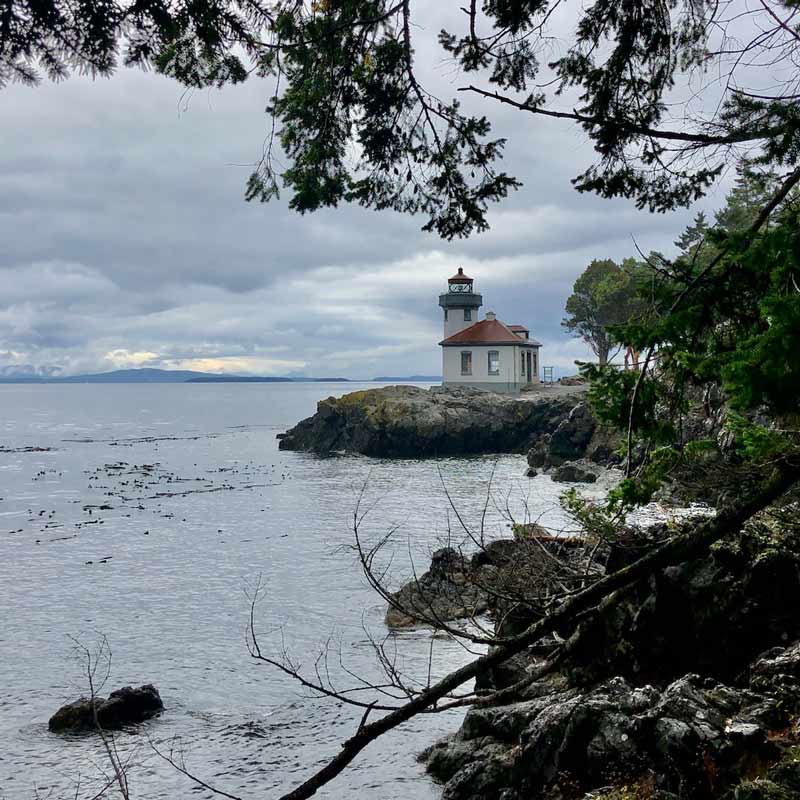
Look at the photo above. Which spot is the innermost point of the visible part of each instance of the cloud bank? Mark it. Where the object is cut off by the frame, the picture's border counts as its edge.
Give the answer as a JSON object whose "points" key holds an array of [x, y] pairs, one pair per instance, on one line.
{"points": [[126, 240]]}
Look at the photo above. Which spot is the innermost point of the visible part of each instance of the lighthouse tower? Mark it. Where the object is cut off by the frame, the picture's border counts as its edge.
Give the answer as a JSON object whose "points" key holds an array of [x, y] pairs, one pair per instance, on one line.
{"points": [[460, 304]]}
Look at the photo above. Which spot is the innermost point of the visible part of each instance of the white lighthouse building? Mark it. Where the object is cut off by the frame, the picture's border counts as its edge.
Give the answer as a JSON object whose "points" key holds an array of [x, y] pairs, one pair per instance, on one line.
{"points": [[485, 354]]}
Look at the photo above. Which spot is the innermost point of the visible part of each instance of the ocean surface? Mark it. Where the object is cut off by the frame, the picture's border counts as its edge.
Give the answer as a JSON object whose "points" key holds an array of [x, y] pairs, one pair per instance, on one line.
{"points": [[146, 515]]}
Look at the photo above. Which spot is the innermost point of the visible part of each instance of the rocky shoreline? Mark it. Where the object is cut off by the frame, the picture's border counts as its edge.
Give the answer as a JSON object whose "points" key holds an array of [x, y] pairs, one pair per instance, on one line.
{"points": [[689, 688], [553, 426], [685, 688]]}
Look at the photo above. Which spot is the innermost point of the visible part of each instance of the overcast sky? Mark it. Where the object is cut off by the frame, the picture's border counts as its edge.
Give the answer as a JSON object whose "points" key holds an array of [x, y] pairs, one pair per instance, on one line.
{"points": [[126, 240]]}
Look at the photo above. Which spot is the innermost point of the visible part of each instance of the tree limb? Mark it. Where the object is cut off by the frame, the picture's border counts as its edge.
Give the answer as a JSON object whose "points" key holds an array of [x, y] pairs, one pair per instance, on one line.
{"points": [[697, 138]]}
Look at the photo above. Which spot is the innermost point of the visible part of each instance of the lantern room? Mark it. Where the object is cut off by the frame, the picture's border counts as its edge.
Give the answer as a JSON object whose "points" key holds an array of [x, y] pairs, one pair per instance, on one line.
{"points": [[460, 283], [460, 303]]}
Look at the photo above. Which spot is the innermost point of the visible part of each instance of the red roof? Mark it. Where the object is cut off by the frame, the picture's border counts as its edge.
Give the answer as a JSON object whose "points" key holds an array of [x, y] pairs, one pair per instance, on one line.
{"points": [[487, 331], [519, 328], [460, 277]]}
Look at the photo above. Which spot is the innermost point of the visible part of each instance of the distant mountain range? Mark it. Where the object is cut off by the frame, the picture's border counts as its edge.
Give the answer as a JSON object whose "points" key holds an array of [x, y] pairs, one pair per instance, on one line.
{"points": [[149, 375]]}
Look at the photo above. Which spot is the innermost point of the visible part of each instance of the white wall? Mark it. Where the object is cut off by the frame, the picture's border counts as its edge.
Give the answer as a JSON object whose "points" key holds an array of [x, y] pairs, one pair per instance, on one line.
{"points": [[509, 364], [455, 321], [511, 376]]}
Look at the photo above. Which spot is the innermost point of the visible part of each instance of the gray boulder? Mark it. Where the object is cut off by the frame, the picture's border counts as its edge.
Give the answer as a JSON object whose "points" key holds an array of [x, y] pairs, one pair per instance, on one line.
{"points": [[456, 587], [571, 438], [578, 436], [573, 473], [122, 707]]}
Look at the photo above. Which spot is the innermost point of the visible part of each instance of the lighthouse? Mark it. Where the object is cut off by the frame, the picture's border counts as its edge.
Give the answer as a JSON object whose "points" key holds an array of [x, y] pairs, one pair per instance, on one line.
{"points": [[460, 304], [483, 354]]}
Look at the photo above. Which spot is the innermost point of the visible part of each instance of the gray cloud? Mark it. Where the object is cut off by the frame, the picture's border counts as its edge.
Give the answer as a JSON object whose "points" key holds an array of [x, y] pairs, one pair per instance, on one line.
{"points": [[126, 239]]}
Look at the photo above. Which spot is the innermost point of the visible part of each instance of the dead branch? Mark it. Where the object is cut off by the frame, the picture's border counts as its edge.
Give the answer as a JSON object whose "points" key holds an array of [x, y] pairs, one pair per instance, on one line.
{"points": [[687, 545]]}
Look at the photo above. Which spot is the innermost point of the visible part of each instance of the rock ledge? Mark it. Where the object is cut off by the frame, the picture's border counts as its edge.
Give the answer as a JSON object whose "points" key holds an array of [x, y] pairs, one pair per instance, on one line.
{"points": [[407, 421]]}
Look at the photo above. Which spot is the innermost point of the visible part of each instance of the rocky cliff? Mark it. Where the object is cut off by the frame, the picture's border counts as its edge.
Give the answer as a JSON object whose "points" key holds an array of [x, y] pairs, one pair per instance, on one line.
{"points": [[407, 421], [688, 689]]}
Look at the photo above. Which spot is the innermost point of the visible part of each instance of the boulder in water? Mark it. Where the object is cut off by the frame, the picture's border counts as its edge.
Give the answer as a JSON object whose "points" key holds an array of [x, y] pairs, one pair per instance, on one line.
{"points": [[447, 591], [122, 707], [573, 473]]}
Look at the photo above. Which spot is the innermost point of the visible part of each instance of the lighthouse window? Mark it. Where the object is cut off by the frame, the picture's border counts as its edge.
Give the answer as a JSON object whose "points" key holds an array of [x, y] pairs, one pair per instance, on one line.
{"points": [[494, 362], [467, 315], [445, 315], [466, 363]]}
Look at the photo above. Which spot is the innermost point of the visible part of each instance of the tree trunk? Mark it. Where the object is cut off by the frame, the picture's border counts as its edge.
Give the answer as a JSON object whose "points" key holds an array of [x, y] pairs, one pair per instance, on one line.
{"points": [[603, 347]]}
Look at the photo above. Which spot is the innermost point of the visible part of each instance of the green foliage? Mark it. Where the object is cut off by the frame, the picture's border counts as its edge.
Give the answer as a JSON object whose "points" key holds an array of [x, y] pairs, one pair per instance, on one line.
{"points": [[355, 123], [416, 154], [739, 325], [610, 393], [756, 442], [604, 296], [638, 490], [623, 60], [200, 44], [726, 314], [594, 520]]}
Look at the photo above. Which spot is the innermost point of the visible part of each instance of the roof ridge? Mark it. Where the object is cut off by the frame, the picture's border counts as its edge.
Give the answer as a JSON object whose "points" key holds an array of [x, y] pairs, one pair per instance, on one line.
{"points": [[506, 327], [486, 331]]}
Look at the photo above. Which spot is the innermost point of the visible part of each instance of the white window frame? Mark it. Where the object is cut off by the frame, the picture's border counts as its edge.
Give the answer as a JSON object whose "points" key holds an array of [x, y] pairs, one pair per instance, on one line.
{"points": [[496, 354], [468, 369]]}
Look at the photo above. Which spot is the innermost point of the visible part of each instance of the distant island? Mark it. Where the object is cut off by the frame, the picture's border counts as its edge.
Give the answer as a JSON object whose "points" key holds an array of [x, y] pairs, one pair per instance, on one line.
{"points": [[409, 379], [151, 375], [261, 379]]}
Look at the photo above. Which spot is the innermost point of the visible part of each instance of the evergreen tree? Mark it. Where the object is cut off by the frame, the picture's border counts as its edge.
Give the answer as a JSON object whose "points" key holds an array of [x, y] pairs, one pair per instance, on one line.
{"points": [[726, 315], [694, 236]]}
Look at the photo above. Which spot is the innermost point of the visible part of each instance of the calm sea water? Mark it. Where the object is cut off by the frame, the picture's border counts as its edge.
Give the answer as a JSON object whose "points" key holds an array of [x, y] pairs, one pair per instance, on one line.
{"points": [[156, 510]]}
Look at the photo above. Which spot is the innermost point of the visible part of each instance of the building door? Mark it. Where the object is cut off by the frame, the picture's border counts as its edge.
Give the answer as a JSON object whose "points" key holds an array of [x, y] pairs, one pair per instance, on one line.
{"points": [[528, 364]]}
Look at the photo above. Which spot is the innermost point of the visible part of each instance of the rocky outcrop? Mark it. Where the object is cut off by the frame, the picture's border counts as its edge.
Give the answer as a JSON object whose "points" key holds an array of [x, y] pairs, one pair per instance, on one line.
{"points": [[577, 436], [122, 707], [695, 738], [688, 688], [711, 615], [573, 434], [449, 590], [459, 587], [407, 421]]}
